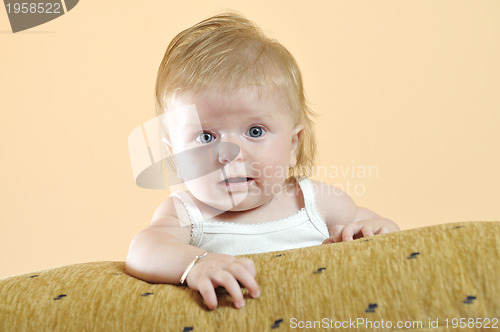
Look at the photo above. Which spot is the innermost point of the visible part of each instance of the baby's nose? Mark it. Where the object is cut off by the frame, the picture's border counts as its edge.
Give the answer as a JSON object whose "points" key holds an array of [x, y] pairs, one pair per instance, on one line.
{"points": [[227, 152]]}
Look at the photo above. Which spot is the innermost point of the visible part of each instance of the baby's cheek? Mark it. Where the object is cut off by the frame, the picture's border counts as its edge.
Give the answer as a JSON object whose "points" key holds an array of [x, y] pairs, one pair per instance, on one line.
{"points": [[200, 187]]}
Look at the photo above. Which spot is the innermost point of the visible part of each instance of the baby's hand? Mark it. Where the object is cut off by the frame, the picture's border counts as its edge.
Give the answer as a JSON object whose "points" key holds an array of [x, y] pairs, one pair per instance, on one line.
{"points": [[216, 270], [355, 230]]}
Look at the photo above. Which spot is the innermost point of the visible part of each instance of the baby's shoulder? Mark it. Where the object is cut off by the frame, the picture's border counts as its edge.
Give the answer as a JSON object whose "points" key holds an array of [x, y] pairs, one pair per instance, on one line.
{"points": [[333, 203], [170, 210]]}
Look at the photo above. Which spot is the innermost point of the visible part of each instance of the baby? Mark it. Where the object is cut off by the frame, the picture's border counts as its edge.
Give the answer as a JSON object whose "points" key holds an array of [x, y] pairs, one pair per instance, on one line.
{"points": [[240, 133]]}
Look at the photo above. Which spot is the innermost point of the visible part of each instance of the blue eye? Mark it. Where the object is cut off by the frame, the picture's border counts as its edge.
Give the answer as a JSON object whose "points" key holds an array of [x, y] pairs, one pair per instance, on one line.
{"points": [[205, 138], [255, 132]]}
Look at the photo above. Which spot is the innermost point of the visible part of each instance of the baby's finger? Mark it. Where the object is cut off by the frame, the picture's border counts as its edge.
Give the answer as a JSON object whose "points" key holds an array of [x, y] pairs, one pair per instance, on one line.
{"points": [[248, 264], [246, 279], [328, 240], [337, 233], [382, 230], [367, 231], [349, 231], [227, 280], [207, 292]]}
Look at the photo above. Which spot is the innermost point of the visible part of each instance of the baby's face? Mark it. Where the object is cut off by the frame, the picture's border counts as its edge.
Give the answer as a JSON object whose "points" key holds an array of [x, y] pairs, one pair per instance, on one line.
{"points": [[239, 145]]}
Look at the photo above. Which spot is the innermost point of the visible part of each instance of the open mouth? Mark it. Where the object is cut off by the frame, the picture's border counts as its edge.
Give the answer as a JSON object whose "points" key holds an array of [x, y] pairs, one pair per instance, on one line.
{"points": [[237, 180]]}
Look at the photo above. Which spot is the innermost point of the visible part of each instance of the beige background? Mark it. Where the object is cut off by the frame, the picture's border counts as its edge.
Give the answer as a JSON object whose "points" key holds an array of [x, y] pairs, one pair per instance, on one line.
{"points": [[408, 88]]}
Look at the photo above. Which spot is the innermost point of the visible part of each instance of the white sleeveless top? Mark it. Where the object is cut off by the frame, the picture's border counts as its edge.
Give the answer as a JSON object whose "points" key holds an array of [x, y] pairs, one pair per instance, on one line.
{"points": [[303, 229]]}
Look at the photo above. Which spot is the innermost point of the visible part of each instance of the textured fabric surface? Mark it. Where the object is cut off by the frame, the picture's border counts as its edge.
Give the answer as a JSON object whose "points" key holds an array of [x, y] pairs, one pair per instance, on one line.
{"points": [[429, 275]]}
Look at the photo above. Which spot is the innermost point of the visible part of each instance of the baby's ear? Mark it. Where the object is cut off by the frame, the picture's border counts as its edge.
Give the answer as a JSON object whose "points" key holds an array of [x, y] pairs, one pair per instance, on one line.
{"points": [[296, 133], [167, 142], [172, 162]]}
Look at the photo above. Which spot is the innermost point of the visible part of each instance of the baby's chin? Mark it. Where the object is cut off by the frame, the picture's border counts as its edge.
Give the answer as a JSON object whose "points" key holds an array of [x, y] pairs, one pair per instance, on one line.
{"points": [[243, 207], [232, 206], [239, 202]]}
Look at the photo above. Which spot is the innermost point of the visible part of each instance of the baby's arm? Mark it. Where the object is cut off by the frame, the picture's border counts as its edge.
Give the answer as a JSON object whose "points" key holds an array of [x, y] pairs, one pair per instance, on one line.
{"points": [[161, 253], [345, 220]]}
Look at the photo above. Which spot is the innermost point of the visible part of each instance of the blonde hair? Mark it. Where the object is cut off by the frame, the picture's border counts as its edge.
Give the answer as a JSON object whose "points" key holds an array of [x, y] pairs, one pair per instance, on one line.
{"points": [[230, 51]]}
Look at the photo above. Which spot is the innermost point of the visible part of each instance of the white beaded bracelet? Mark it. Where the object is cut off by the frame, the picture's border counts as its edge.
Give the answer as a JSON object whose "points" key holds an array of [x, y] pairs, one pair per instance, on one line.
{"points": [[190, 266]]}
